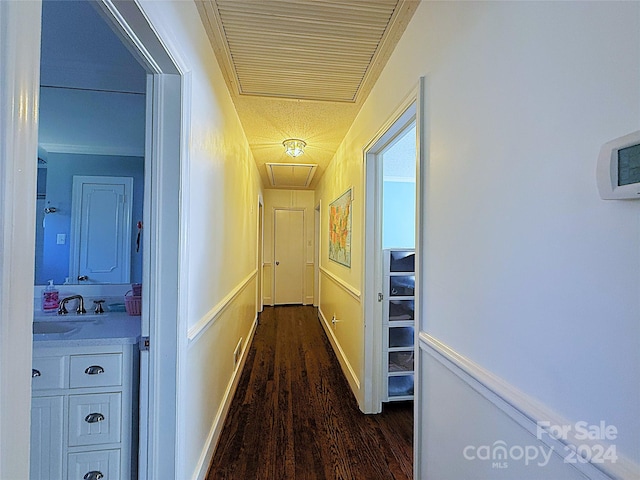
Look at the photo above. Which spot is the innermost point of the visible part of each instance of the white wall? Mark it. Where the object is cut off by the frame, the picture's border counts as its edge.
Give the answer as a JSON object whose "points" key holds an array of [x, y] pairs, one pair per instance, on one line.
{"points": [[530, 275], [100, 123]]}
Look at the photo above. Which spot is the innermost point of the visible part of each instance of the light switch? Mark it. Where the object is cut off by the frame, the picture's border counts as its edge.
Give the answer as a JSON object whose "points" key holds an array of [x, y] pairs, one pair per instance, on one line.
{"points": [[61, 239]]}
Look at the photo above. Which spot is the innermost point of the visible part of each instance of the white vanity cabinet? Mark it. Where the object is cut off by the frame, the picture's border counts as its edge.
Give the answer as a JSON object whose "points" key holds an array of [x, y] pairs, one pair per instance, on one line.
{"points": [[82, 412]]}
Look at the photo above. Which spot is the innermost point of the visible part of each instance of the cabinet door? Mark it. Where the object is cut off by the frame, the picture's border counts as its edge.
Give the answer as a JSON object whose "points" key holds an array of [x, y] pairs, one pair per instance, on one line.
{"points": [[103, 464], [46, 438], [94, 419]]}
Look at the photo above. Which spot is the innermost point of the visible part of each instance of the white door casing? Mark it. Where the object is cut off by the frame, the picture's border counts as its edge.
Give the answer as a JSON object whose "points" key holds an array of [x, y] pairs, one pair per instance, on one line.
{"points": [[373, 268], [288, 256]]}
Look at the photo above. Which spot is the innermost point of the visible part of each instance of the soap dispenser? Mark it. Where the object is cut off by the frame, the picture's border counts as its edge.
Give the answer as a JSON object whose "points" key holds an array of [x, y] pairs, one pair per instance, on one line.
{"points": [[50, 298]]}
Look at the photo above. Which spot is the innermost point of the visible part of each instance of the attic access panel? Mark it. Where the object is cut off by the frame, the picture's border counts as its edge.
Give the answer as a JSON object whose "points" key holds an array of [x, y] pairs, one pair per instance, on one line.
{"points": [[290, 175]]}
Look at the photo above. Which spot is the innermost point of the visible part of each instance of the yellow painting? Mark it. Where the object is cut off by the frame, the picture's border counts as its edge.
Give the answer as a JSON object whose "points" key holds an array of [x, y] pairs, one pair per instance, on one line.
{"points": [[340, 229]]}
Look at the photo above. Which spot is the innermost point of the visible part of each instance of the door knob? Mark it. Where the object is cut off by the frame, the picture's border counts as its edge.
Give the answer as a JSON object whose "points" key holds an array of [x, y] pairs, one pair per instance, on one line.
{"points": [[83, 278], [277, 263]]}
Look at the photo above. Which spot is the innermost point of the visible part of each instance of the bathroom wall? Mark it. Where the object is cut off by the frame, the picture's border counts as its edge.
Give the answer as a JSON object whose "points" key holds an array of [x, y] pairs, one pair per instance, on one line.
{"points": [[61, 168]]}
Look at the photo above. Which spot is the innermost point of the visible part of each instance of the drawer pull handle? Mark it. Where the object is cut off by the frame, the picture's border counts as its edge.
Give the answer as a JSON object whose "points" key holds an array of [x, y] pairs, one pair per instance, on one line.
{"points": [[35, 373], [93, 475], [94, 370], [94, 418]]}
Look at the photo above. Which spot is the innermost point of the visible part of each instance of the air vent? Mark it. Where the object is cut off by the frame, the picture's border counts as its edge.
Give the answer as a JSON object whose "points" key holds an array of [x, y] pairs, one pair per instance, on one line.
{"points": [[290, 175]]}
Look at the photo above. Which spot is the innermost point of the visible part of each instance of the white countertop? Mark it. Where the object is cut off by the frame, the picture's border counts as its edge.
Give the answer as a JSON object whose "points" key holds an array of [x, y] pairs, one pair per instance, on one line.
{"points": [[106, 329]]}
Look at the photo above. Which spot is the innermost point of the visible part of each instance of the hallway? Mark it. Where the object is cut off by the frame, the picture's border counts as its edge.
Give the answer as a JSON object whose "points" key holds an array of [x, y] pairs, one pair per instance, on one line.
{"points": [[294, 416]]}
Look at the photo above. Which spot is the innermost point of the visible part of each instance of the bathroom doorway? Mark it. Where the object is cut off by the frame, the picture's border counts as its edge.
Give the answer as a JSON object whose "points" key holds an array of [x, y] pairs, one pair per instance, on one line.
{"points": [[157, 108]]}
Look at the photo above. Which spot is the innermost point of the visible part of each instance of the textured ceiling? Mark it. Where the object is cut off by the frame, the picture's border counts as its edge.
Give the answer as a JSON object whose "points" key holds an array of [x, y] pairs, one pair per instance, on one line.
{"points": [[301, 68]]}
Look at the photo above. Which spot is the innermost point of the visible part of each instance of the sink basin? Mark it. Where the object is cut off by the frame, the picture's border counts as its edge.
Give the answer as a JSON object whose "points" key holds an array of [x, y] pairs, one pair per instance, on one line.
{"points": [[53, 328], [70, 317]]}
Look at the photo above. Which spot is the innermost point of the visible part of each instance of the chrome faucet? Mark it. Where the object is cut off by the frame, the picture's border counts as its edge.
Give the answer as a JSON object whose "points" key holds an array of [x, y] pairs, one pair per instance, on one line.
{"points": [[62, 309]]}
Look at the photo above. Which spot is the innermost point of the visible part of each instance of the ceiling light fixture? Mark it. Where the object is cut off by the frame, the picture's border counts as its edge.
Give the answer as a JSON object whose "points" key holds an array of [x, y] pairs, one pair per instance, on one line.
{"points": [[294, 147]]}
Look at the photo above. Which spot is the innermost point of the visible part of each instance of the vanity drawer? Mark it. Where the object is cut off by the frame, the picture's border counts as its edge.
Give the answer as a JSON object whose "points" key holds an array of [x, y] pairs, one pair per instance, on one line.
{"points": [[103, 464], [95, 370], [47, 372], [94, 419]]}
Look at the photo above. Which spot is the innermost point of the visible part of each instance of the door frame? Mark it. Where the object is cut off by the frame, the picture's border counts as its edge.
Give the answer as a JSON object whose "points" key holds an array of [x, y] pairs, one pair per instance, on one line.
{"points": [[20, 27], [260, 255], [372, 265], [20, 55], [161, 446], [317, 216]]}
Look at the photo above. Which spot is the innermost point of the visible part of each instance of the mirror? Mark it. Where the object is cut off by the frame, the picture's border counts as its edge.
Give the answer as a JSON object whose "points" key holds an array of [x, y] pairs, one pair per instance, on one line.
{"points": [[91, 123]]}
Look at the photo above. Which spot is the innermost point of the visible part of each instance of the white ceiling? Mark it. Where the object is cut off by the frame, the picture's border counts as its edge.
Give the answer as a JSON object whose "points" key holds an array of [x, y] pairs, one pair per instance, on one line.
{"points": [[79, 50], [301, 68]]}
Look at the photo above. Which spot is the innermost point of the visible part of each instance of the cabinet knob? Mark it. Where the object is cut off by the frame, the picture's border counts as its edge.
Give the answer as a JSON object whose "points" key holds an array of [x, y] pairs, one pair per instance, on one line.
{"points": [[93, 475], [94, 418], [94, 370], [35, 373]]}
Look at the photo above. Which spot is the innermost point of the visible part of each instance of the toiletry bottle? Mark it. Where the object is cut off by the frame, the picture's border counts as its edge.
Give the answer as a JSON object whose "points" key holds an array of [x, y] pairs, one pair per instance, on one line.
{"points": [[50, 298]]}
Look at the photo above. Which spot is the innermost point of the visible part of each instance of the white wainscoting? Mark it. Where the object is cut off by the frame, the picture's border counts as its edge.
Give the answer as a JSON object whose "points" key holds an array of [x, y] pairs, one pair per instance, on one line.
{"points": [[214, 314], [212, 375], [345, 334], [469, 413]]}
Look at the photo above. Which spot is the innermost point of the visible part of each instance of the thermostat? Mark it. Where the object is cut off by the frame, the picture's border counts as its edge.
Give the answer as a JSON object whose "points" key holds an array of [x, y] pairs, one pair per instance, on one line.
{"points": [[618, 170]]}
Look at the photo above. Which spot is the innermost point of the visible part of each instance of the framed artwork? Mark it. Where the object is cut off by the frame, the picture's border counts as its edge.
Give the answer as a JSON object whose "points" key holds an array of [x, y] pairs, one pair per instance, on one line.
{"points": [[340, 229]]}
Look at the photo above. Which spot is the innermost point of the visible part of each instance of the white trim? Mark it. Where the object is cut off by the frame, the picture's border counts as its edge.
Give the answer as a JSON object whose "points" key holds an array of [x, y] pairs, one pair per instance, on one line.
{"points": [[260, 254], [354, 292], [111, 150], [372, 247], [213, 315], [202, 467], [523, 409], [19, 89], [317, 222], [422, 180], [399, 179], [348, 370]]}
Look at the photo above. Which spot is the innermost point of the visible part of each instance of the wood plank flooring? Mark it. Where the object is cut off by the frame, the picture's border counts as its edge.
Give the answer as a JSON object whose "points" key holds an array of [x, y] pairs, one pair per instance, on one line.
{"points": [[294, 416]]}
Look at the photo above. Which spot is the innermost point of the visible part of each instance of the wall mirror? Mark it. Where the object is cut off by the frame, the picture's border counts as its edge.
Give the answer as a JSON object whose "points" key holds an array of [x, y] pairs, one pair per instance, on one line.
{"points": [[91, 125]]}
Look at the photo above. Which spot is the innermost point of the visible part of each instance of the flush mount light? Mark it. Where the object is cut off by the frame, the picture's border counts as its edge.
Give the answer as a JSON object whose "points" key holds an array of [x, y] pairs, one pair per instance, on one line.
{"points": [[294, 147]]}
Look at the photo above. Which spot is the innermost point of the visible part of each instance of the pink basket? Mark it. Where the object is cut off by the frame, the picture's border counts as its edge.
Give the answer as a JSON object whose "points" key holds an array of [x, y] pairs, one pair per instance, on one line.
{"points": [[137, 289], [133, 303]]}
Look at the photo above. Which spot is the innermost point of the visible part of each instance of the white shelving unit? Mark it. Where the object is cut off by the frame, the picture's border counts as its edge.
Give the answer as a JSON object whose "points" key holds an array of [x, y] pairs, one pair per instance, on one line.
{"points": [[398, 323]]}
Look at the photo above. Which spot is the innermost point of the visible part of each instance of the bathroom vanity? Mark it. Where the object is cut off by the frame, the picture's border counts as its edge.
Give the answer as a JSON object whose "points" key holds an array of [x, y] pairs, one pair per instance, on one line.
{"points": [[84, 397]]}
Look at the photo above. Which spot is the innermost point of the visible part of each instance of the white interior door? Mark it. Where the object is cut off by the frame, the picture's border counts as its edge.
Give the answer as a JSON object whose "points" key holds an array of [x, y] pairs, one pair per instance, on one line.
{"points": [[288, 256], [101, 229]]}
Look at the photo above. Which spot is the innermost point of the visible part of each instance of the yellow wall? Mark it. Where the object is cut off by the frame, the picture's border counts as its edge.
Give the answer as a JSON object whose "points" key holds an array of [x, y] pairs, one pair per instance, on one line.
{"points": [[340, 286], [220, 223]]}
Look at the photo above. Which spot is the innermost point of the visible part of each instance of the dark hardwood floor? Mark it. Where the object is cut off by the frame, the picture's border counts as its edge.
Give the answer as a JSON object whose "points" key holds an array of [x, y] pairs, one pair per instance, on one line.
{"points": [[294, 416]]}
